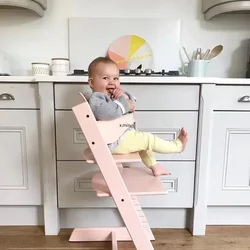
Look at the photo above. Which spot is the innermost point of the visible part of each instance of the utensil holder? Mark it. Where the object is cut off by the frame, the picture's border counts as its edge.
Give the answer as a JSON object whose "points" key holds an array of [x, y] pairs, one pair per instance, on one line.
{"points": [[195, 68]]}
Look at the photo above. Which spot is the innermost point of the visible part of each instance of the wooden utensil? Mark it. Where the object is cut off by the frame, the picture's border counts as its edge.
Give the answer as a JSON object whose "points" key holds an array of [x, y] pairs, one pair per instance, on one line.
{"points": [[215, 52]]}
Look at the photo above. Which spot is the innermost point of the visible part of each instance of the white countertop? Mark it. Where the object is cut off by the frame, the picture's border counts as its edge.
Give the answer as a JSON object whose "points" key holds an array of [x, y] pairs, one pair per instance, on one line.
{"points": [[128, 79]]}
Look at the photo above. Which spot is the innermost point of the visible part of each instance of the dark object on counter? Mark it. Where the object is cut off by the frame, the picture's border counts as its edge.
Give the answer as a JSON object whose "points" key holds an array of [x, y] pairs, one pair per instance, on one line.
{"points": [[248, 63], [248, 70]]}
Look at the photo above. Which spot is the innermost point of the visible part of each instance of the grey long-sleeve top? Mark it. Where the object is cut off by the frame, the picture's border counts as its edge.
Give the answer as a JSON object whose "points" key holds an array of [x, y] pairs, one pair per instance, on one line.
{"points": [[104, 108]]}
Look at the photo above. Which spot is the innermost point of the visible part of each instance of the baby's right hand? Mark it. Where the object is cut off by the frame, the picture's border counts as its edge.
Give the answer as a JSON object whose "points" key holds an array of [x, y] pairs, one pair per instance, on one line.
{"points": [[119, 92], [131, 105]]}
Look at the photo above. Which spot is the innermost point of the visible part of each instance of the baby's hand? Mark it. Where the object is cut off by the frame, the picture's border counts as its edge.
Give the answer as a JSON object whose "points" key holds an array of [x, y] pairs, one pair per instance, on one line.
{"points": [[131, 105], [119, 92]]}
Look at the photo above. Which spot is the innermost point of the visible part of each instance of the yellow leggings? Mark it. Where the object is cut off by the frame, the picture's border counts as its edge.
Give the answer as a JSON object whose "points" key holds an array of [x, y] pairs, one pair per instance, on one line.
{"points": [[146, 143]]}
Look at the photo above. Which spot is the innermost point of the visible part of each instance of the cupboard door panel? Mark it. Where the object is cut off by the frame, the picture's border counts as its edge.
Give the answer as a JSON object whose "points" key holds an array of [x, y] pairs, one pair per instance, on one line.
{"points": [[19, 154], [230, 159]]}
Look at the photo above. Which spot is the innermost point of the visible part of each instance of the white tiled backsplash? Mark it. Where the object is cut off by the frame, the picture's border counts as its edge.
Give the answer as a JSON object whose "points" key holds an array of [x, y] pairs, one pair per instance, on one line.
{"points": [[27, 38], [162, 35]]}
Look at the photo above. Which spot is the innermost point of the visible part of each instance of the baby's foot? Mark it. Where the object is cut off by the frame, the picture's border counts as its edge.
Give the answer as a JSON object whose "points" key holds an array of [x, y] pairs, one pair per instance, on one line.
{"points": [[159, 170], [183, 137]]}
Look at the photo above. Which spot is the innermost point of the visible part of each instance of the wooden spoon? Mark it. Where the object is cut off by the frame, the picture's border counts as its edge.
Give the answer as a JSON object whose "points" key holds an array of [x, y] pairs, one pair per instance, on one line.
{"points": [[215, 52]]}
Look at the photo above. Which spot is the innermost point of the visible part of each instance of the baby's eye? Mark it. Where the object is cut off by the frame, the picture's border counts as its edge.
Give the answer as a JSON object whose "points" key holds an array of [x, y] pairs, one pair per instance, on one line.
{"points": [[116, 78], [105, 78]]}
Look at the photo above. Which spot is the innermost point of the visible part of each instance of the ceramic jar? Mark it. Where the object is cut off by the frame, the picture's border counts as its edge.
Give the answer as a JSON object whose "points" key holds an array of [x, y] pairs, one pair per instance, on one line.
{"points": [[40, 69], [60, 66]]}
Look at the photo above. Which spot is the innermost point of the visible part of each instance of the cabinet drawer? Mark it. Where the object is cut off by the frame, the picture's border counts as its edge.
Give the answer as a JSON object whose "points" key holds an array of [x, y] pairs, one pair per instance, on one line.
{"points": [[75, 188], [25, 96], [66, 95], [149, 97], [71, 142], [227, 98], [164, 97]]}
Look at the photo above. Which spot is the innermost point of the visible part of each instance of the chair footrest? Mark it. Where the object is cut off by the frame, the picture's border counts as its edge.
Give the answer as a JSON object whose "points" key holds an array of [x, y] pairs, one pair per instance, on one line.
{"points": [[139, 181]]}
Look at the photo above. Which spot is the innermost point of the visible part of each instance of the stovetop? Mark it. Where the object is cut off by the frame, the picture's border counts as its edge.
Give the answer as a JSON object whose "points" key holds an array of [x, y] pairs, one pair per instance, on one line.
{"points": [[147, 73]]}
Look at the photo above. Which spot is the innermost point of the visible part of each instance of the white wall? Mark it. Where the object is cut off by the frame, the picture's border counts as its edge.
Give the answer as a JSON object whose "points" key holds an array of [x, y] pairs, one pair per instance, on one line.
{"points": [[27, 38]]}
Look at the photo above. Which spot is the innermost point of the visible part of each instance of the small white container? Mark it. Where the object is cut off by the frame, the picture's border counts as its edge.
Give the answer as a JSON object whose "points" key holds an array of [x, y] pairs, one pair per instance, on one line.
{"points": [[60, 66], [4, 64], [40, 69]]}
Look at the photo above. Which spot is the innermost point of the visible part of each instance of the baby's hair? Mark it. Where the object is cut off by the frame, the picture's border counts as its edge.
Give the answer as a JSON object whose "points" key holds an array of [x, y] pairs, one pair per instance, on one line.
{"points": [[98, 60]]}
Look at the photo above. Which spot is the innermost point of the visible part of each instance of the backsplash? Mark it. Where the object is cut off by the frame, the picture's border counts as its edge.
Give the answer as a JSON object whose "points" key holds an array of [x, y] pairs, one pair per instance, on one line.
{"points": [[27, 38]]}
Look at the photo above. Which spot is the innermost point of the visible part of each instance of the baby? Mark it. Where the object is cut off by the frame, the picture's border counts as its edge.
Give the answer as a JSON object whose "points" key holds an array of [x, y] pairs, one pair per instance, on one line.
{"points": [[108, 101]]}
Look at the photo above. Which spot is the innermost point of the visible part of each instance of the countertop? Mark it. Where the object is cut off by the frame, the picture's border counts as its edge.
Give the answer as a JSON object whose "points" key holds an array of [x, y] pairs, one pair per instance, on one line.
{"points": [[129, 79]]}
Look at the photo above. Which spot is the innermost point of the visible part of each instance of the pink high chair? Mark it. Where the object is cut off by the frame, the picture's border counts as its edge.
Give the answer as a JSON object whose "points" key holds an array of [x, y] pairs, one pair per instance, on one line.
{"points": [[123, 184]]}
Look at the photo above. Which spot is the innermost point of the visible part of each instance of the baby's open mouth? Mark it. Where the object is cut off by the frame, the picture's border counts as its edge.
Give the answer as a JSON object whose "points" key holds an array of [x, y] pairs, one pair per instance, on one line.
{"points": [[110, 90]]}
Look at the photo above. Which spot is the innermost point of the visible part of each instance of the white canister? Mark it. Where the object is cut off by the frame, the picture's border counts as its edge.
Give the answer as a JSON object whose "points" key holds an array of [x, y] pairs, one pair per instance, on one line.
{"points": [[40, 69], [60, 66], [4, 64]]}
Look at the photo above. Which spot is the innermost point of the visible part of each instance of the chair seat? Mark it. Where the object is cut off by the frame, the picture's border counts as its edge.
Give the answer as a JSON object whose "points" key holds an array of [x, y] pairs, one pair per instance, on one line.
{"points": [[126, 158]]}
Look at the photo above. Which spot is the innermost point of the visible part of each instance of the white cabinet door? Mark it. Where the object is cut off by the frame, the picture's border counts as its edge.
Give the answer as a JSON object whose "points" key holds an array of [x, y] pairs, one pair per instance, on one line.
{"points": [[19, 156], [230, 159]]}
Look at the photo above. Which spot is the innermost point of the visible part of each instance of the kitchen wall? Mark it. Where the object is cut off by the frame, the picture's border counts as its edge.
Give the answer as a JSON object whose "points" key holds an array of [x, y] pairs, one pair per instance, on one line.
{"points": [[27, 38]]}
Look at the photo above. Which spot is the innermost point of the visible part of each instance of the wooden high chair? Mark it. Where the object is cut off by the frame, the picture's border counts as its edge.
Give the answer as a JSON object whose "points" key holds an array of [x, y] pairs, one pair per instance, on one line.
{"points": [[123, 184]]}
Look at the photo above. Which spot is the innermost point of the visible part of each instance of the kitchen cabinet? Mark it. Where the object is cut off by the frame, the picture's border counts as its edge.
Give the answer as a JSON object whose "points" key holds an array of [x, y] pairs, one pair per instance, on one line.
{"points": [[37, 6], [210, 178], [230, 156], [164, 118], [19, 145], [19, 154]]}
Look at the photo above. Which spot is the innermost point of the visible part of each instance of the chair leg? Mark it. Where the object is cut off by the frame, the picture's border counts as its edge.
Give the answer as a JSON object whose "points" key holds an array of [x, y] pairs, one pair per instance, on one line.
{"points": [[114, 241]]}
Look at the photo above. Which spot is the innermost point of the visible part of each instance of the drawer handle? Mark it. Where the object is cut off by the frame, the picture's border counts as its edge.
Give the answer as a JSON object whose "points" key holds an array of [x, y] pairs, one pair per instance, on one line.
{"points": [[245, 98], [6, 97]]}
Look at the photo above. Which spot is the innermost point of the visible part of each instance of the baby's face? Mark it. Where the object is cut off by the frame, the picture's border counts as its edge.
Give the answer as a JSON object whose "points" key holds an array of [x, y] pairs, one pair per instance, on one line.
{"points": [[105, 79]]}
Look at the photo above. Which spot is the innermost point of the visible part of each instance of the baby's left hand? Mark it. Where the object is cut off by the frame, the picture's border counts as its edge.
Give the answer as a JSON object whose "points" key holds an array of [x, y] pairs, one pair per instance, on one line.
{"points": [[119, 92]]}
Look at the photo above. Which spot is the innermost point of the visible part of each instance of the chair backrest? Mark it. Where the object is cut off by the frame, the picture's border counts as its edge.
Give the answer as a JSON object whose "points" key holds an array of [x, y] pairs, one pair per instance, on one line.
{"points": [[111, 130], [89, 126]]}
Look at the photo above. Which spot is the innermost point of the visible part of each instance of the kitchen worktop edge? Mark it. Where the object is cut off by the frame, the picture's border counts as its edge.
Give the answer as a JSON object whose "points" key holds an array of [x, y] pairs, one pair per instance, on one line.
{"points": [[129, 80]]}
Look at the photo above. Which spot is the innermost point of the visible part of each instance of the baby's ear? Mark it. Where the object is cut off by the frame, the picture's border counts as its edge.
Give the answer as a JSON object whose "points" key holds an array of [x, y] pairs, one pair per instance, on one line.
{"points": [[90, 81]]}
